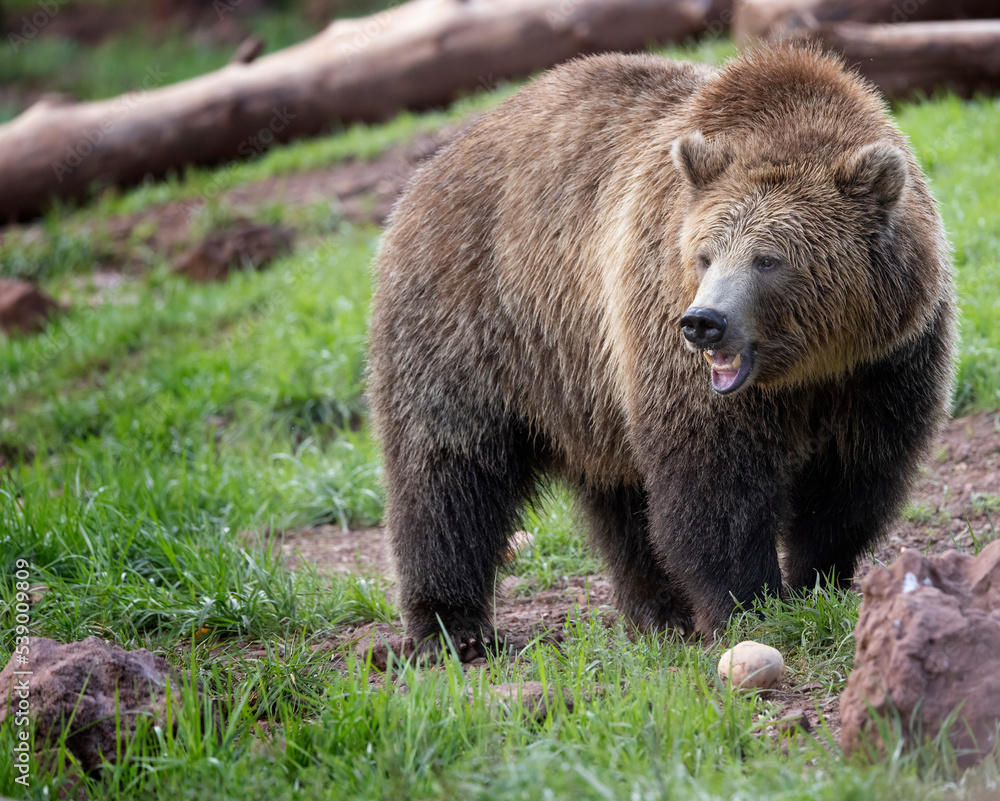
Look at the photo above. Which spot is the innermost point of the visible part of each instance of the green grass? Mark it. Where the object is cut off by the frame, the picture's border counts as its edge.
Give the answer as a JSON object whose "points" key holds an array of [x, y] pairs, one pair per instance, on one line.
{"points": [[228, 395], [558, 550], [958, 144], [650, 719], [985, 502], [924, 515], [152, 440]]}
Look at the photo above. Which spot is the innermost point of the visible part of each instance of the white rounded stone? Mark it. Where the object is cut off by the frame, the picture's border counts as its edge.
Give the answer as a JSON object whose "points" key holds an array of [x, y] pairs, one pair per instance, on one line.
{"points": [[752, 665]]}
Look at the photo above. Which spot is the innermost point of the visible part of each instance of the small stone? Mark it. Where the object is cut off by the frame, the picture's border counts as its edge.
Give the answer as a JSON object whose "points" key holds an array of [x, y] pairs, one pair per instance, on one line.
{"points": [[752, 665], [793, 719]]}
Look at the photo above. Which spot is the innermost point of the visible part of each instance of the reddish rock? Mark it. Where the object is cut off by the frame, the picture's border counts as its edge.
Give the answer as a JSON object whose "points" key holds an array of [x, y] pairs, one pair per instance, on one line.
{"points": [[82, 684], [242, 245], [23, 306], [928, 642]]}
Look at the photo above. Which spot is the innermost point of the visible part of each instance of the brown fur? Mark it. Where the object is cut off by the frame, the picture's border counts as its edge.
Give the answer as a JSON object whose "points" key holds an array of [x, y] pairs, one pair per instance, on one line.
{"points": [[526, 323]]}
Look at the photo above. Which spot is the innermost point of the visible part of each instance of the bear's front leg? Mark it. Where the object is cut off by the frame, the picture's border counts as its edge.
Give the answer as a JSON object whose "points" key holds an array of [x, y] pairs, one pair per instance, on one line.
{"points": [[714, 508], [841, 510], [450, 516], [855, 485]]}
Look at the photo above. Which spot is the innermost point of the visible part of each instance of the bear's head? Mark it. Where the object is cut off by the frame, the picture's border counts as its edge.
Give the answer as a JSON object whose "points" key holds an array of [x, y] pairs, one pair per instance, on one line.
{"points": [[798, 267]]}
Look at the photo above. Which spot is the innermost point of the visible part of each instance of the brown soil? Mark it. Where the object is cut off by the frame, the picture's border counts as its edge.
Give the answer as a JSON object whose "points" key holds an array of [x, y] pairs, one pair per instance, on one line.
{"points": [[361, 192], [242, 245], [330, 549], [957, 498]]}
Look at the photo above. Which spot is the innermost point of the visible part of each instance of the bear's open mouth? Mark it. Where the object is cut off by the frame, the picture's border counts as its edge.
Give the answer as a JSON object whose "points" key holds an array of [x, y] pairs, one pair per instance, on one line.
{"points": [[729, 370]]}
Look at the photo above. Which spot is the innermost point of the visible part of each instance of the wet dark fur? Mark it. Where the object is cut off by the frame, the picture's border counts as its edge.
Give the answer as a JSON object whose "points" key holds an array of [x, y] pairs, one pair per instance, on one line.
{"points": [[525, 323]]}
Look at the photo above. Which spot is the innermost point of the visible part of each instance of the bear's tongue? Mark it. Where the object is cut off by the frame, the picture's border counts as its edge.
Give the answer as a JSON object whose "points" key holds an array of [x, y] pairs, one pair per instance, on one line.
{"points": [[729, 370]]}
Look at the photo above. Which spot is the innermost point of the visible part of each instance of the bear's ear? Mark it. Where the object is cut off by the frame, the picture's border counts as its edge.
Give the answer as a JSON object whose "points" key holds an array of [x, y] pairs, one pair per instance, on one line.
{"points": [[879, 169], [699, 160]]}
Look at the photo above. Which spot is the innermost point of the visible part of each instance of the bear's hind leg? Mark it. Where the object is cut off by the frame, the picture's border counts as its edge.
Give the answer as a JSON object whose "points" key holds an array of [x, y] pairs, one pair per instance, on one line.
{"points": [[619, 526], [451, 516]]}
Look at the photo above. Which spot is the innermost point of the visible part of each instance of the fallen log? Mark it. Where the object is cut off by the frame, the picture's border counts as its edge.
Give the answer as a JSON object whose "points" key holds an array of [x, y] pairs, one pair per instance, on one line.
{"points": [[773, 19], [921, 57], [415, 55]]}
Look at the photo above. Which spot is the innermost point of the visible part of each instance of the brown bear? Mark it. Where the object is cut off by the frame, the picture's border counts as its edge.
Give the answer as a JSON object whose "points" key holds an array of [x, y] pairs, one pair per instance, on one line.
{"points": [[717, 303]]}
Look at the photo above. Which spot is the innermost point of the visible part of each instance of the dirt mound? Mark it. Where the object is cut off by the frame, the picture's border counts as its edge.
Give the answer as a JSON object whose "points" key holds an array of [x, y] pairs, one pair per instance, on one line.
{"points": [[83, 685], [243, 245], [928, 646], [23, 306]]}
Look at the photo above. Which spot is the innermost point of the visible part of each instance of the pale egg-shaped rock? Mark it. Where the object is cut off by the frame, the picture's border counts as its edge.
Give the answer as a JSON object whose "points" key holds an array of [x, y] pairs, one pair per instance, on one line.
{"points": [[752, 665]]}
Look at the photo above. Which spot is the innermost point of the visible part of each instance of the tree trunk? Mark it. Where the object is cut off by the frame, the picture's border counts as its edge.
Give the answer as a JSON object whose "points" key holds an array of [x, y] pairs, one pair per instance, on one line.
{"points": [[770, 19], [413, 56], [919, 57]]}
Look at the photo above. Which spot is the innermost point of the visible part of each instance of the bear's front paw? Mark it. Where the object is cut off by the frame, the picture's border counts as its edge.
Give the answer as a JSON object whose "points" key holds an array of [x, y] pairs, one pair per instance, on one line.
{"points": [[709, 624], [468, 645], [662, 612]]}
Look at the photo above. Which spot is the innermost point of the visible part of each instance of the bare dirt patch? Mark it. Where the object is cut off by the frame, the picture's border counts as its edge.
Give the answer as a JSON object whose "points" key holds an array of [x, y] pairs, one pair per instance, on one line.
{"points": [[330, 549], [24, 307], [244, 244], [957, 500], [359, 191]]}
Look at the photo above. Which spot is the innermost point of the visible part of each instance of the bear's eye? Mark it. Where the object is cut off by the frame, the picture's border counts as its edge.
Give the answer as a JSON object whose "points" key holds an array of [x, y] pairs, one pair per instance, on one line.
{"points": [[704, 262], [766, 263]]}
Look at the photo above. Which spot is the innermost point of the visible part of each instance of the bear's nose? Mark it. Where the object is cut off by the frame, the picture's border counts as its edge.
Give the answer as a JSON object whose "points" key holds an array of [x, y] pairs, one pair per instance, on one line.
{"points": [[703, 327]]}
